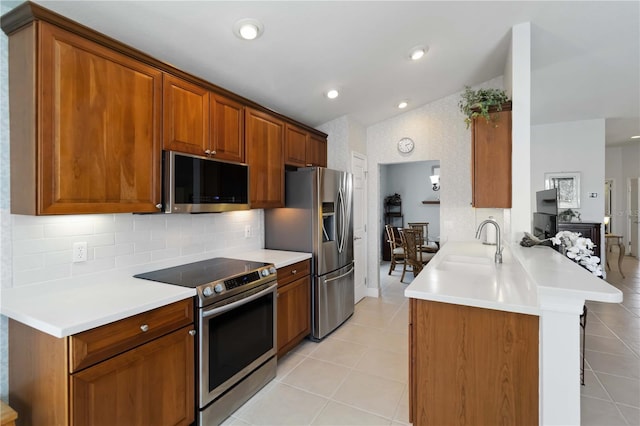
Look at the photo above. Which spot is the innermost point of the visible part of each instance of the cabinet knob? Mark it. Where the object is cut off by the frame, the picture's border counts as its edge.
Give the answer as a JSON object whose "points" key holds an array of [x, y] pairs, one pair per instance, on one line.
{"points": [[144, 327], [159, 205], [294, 271], [192, 332], [213, 152], [207, 151]]}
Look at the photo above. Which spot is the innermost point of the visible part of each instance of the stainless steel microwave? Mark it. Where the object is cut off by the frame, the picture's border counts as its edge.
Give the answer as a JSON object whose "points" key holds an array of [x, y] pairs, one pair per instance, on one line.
{"points": [[194, 184]]}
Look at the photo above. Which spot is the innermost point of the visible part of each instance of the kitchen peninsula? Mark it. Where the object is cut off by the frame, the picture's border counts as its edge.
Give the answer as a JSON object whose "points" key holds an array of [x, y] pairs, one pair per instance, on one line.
{"points": [[498, 343]]}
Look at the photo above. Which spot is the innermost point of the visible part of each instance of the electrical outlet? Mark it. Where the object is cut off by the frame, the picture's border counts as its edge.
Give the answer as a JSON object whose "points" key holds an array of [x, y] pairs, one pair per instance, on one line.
{"points": [[79, 252], [247, 231]]}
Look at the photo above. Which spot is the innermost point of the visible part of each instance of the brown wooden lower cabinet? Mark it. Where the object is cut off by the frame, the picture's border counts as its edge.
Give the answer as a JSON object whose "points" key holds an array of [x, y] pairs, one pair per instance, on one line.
{"points": [[471, 366], [294, 305], [149, 383]]}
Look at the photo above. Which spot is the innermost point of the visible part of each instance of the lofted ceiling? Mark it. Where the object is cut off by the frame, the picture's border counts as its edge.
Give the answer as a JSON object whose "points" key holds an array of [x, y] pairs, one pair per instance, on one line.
{"points": [[585, 55]]}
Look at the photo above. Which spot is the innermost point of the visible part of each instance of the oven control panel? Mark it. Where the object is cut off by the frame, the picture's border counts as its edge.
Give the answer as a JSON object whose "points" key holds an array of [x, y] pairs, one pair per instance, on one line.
{"points": [[238, 283], [243, 279]]}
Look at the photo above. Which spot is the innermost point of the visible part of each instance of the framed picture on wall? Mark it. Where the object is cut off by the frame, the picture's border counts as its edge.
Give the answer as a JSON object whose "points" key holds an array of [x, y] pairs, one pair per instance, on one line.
{"points": [[568, 184]]}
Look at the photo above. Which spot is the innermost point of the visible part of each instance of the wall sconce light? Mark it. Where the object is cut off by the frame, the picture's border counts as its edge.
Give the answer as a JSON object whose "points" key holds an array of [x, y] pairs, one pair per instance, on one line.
{"points": [[607, 219], [435, 181]]}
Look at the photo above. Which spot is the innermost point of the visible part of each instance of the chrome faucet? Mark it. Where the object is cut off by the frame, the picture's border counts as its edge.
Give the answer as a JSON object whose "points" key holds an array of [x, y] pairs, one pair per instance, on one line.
{"points": [[498, 256]]}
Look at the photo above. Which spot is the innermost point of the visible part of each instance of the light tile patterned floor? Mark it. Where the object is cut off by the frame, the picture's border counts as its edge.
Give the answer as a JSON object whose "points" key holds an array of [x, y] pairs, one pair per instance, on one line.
{"points": [[358, 374], [611, 395]]}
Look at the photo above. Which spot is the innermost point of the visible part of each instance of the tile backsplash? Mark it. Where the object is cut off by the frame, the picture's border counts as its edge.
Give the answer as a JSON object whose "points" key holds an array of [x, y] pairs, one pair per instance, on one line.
{"points": [[42, 246]]}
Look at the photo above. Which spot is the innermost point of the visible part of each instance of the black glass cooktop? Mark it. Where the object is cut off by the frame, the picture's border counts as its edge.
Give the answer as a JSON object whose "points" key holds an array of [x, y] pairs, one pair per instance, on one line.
{"points": [[203, 272]]}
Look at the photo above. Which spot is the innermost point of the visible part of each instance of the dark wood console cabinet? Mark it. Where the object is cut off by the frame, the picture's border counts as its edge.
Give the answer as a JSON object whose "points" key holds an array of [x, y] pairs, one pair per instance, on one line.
{"points": [[591, 230]]}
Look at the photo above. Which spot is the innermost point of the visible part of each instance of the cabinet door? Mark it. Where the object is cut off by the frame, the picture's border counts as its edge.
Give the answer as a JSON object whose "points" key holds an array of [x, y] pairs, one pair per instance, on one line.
{"points": [[265, 146], [317, 151], [185, 114], [491, 161], [152, 384], [472, 363], [227, 129], [295, 151], [99, 144], [294, 313]]}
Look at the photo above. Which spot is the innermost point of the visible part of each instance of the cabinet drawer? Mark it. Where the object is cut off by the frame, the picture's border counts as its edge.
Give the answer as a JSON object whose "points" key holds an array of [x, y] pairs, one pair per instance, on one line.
{"points": [[95, 345], [288, 274]]}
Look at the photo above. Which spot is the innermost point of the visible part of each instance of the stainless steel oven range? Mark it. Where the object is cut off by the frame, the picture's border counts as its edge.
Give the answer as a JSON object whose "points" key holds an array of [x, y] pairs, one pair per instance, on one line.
{"points": [[236, 305]]}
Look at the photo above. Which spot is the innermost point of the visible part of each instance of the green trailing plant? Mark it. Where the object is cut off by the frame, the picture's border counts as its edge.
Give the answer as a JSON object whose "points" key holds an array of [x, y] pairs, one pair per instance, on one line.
{"points": [[476, 103]]}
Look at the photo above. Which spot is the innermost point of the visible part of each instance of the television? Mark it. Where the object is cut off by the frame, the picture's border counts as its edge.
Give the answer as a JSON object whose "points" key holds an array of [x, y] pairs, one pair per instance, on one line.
{"points": [[547, 201], [544, 225]]}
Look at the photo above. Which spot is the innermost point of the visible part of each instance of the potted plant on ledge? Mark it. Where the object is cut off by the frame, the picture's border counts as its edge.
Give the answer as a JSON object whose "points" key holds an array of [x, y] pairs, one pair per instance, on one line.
{"points": [[478, 103]]}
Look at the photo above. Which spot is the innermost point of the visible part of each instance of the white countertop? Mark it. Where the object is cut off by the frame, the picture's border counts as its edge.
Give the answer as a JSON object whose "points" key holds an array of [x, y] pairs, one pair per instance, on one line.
{"points": [[65, 307], [278, 257], [557, 275], [464, 273]]}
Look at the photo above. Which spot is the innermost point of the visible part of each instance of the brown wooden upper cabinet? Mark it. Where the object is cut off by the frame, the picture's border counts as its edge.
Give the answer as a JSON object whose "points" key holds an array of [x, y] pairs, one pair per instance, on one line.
{"points": [[295, 152], [317, 151], [265, 154], [85, 126], [491, 160], [90, 116], [303, 149], [197, 121]]}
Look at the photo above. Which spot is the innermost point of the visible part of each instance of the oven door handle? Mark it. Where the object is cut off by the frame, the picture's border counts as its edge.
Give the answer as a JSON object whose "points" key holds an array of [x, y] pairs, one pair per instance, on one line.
{"points": [[225, 308]]}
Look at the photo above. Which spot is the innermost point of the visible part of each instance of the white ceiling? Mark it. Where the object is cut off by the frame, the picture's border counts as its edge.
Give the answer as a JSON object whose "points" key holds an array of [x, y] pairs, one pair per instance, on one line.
{"points": [[585, 55]]}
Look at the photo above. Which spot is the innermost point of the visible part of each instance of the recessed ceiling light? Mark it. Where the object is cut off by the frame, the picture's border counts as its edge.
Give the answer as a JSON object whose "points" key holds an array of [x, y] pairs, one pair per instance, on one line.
{"points": [[402, 104], [417, 52], [248, 29], [635, 137], [332, 94]]}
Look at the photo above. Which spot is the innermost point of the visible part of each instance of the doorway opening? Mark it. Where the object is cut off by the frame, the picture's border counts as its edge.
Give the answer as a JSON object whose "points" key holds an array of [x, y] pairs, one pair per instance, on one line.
{"points": [[407, 195]]}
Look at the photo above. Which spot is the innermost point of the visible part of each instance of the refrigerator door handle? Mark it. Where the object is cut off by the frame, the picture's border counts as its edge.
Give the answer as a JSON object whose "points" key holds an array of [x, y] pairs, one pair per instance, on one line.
{"points": [[339, 276], [341, 220]]}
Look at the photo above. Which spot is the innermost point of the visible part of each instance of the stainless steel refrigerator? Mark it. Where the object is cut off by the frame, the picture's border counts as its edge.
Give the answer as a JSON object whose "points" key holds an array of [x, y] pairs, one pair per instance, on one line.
{"points": [[318, 219]]}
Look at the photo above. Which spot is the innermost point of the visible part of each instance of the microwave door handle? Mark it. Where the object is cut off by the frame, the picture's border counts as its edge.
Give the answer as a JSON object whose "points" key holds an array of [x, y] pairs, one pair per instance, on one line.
{"points": [[237, 303]]}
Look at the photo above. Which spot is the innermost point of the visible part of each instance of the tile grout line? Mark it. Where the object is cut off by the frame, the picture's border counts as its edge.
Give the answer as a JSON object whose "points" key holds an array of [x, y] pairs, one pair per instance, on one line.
{"points": [[615, 334]]}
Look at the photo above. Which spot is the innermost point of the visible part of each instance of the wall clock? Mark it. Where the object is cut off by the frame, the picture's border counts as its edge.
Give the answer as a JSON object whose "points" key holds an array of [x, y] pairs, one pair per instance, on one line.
{"points": [[405, 145]]}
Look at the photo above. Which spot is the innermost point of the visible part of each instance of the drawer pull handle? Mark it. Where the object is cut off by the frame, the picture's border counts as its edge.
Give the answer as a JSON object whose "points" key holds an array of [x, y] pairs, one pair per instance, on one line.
{"points": [[144, 327], [192, 332], [294, 271]]}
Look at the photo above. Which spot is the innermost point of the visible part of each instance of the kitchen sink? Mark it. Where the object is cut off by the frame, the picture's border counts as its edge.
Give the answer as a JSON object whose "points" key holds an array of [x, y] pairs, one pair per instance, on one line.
{"points": [[466, 264]]}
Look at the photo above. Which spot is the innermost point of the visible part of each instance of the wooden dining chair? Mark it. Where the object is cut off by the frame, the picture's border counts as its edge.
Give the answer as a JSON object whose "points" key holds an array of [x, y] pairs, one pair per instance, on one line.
{"points": [[413, 255], [396, 250], [423, 228]]}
